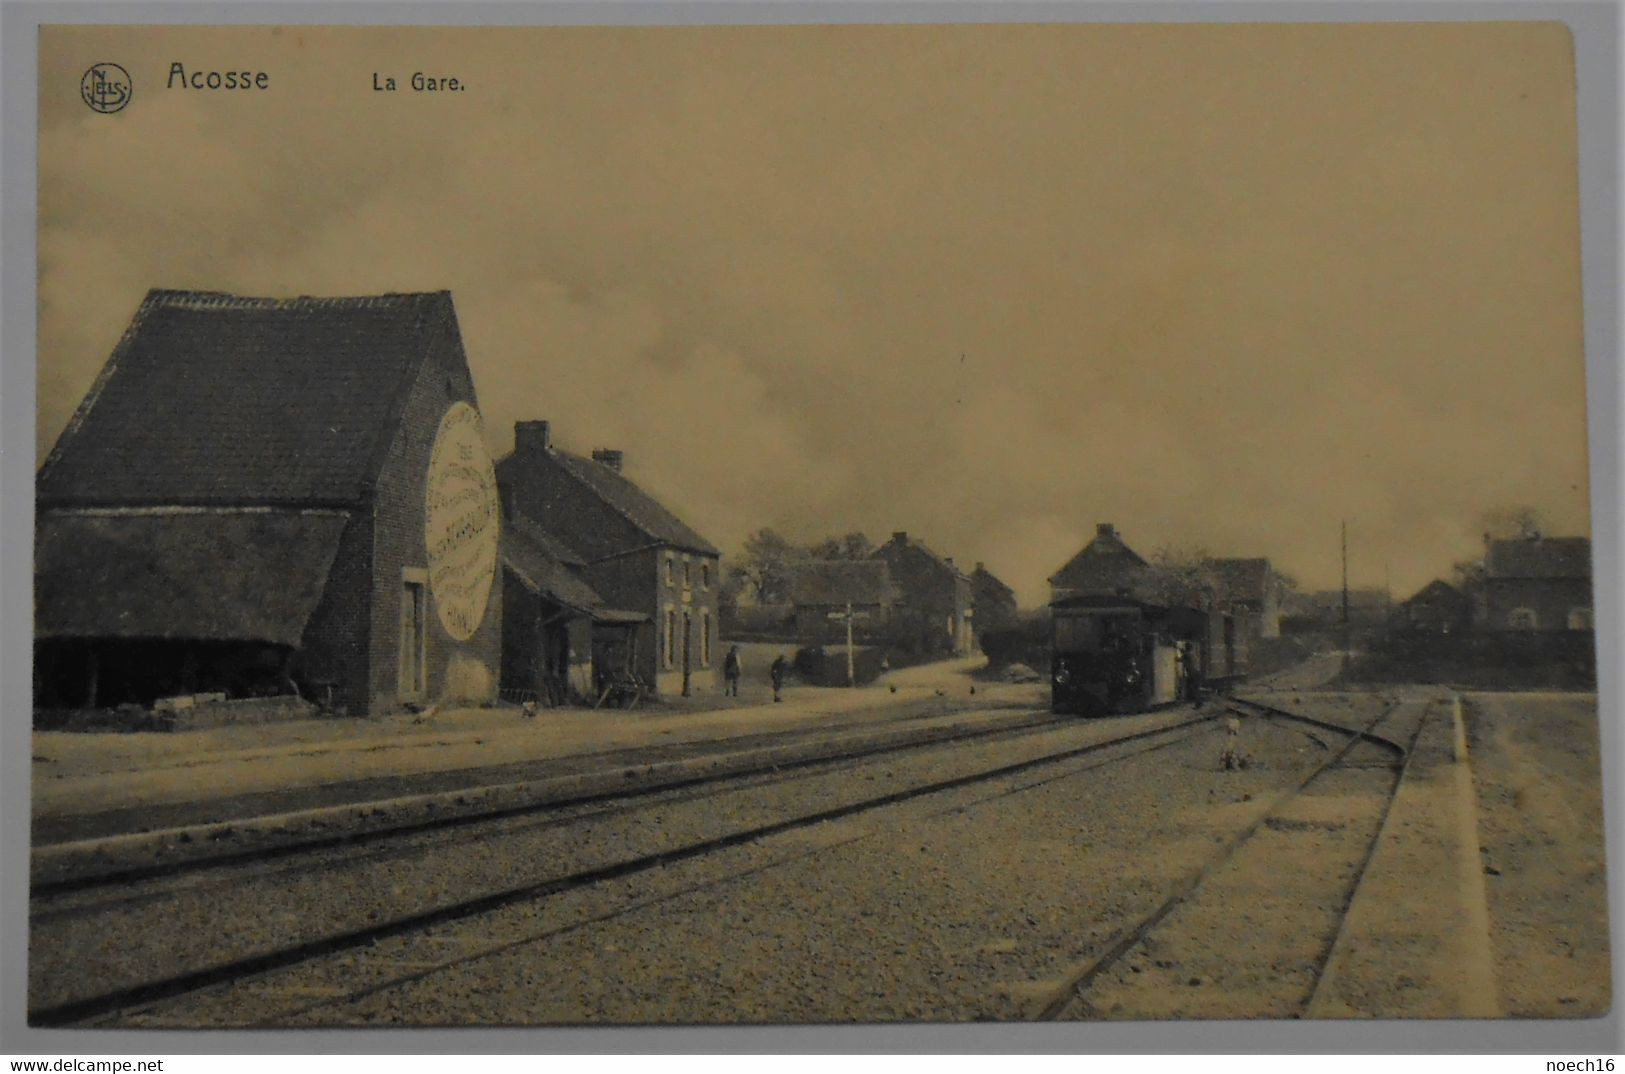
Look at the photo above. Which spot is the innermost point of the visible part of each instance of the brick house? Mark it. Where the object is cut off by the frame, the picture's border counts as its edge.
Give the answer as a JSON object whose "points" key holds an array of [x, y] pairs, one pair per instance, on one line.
{"points": [[549, 618], [1537, 583], [264, 495], [934, 607], [823, 591], [993, 601], [635, 554], [1436, 608], [1106, 566], [1251, 589]]}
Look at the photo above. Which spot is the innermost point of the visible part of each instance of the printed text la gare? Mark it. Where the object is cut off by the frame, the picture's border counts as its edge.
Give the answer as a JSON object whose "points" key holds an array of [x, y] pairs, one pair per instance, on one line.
{"points": [[420, 83]]}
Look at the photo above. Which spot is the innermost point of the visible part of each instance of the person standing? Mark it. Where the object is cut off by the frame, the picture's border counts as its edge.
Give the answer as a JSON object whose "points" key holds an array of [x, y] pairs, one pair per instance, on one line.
{"points": [[731, 670], [776, 672], [1231, 758]]}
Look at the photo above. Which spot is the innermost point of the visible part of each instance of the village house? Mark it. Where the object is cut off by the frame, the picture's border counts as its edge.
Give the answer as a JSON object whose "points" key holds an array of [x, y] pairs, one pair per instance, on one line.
{"points": [[824, 591], [559, 638], [1537, 583], [1321, 611], [1436, 608], [1252, 591], [1105, 567], [933, 612], [636, 555], [994, 602], [263, 495]]}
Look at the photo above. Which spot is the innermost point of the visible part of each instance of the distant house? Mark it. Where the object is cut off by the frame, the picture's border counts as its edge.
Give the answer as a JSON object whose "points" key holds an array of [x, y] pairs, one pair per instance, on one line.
{"points": [[1105, 567], [934, 611], [823, 591], [1322, 610], [635, 554], [993, 602], [1537, 583], [1251, 589], [263, 495], [1436, 608]]}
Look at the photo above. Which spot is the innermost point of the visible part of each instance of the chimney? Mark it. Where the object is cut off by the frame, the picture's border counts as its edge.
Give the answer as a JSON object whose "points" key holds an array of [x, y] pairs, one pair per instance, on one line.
{"points": [[1105, 529], [532, 436], [949, 560], [900, 536], [609, 457], [979, 565]]}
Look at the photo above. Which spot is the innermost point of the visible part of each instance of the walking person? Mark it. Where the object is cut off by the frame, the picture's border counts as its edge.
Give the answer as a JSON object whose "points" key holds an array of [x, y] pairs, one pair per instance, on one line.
{"points": [[731, 670], [777, 674]]}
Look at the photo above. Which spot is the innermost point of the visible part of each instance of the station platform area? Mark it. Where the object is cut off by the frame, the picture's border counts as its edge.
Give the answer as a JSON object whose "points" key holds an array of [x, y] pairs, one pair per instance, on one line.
{"points": [[91, 785]]}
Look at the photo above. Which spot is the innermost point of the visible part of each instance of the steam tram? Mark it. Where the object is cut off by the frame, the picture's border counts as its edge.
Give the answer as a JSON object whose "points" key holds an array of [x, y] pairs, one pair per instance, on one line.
{"points": [[1114, 654]]}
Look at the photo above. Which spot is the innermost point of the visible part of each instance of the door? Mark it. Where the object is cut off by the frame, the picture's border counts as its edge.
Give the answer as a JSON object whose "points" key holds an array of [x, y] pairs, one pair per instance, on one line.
{"points": [[414, 620]]}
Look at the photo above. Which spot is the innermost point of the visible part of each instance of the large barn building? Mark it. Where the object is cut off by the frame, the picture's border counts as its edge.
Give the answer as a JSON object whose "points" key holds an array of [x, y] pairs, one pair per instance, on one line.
{"points": [[264, 495]]}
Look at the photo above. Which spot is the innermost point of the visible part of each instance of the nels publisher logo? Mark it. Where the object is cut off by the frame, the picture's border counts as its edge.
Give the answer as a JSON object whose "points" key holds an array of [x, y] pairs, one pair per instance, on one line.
{"points": [[106, 87]]}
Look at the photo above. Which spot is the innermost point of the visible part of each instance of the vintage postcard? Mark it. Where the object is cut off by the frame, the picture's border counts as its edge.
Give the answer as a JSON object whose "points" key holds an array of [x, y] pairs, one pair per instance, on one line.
{"points": [[811, 524]]}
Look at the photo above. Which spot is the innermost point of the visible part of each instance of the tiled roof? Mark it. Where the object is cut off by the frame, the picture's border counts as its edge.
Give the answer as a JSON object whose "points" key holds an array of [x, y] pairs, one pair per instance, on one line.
{"points": [[217, 399], [899, 543], [1105, 562], [532, 555], [1240, 579], [543, 471], [204, 575], [1437, 591], [987, 581], [842, 581], [1541, 557]]}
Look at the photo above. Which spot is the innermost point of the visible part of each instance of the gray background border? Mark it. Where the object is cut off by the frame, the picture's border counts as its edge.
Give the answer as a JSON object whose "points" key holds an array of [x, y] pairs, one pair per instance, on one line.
{"points": [[1596, 31]]}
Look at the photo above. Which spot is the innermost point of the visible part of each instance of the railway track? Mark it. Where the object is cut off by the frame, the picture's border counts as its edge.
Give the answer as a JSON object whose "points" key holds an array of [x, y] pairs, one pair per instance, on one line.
{"points": [[131, 991], [1080, 994], [217, 845]]}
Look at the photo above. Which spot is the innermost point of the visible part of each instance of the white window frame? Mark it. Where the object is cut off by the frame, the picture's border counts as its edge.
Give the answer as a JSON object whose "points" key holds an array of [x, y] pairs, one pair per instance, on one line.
{"points": [[668, 651]]}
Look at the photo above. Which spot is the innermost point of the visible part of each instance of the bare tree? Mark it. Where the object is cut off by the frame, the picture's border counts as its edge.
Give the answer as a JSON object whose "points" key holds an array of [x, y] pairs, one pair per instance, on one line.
{"points": [[1519, 520], [1182, 574], [762, 570], [854, 545]]}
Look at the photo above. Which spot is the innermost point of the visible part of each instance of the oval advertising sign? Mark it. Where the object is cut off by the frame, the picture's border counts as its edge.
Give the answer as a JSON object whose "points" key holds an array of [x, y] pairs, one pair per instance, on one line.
{"points": [[462, 524]]}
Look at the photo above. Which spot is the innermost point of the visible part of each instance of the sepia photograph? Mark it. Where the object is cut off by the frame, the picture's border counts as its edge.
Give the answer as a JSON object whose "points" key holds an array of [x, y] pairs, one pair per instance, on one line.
{"points": [[761, 525]]}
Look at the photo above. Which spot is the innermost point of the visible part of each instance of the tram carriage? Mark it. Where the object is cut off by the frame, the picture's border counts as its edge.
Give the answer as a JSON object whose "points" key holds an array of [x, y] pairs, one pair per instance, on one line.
{"points": [[1114, 654]]}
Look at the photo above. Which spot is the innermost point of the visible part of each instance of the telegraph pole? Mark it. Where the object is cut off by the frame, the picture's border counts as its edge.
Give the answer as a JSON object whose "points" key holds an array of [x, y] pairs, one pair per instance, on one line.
{"points": [[1345, 601]]}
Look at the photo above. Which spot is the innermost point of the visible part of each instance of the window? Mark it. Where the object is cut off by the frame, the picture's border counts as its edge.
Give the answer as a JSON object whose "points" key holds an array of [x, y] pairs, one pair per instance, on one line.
{"points": [[688, 582], [671, 568], [1522, 619], [705, 637], [1579, 618], [671, 636], [705, 576]]}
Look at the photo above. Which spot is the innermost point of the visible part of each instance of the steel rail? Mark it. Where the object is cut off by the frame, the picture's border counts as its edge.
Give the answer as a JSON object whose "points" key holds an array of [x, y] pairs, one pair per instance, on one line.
{"points": [[53, 888], [1085, 975], [79, 1010]]}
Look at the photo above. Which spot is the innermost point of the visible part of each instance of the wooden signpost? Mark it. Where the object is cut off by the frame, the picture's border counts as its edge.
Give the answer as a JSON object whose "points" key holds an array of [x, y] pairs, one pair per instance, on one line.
{"points": [[849, 616]]}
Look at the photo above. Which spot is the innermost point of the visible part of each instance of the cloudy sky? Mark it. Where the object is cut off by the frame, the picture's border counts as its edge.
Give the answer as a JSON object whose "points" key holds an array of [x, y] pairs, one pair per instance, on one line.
{"points": [[1222, 286]]}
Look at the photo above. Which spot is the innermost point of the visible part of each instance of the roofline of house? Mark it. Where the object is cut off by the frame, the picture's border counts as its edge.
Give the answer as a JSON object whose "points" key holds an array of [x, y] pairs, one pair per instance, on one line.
{"points": [[178, 506], [652, 545], [634, 523]]}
